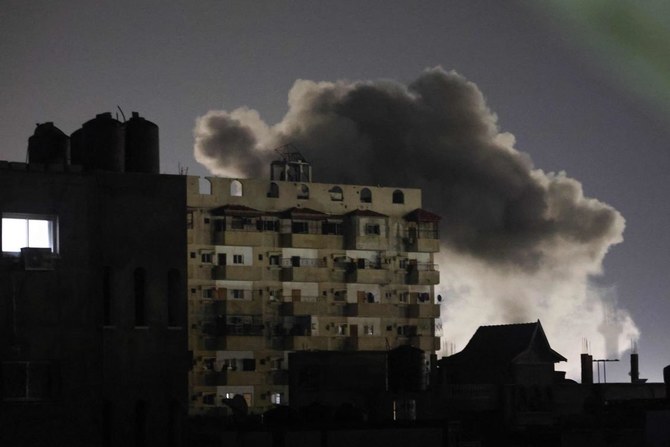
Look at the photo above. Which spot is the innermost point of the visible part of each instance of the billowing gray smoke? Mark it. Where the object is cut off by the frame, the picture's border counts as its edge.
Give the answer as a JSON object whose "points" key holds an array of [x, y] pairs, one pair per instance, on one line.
{"points": [[518, 243]]}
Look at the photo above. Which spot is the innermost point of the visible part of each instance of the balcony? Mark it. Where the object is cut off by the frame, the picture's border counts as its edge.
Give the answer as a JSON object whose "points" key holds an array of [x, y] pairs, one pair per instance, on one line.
{"points": [[304, 307], [422, 245], [237, 272], [277, 377], [306, 274], [228, 377], [425, 310], [231, 343], [368, 275], [382, 310], [311, 240], [425, 342], [209, 378], [422, 273], [241, 378], [304, 270], [318, 342], [366, 242], [369, 343], [235, 306], [246, 238]]}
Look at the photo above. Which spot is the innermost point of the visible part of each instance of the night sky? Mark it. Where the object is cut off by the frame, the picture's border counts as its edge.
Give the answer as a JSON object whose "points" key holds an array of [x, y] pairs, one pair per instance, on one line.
{"points": [[582, 93]]}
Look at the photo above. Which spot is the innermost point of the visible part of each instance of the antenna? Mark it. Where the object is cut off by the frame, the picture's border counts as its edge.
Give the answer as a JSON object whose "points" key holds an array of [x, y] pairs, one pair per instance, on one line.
{"points": [[122, 114]]}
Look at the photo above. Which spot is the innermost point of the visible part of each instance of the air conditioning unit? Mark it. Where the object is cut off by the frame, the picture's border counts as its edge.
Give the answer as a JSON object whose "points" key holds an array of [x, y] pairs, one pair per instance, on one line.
{"points": [[37, 258]]}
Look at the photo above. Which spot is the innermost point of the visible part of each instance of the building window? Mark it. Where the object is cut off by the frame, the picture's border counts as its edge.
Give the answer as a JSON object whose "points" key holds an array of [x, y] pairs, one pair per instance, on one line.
{"points": [[336, 194], [237, 294], [189, 220], [300, 227], [332, 228], [238, 259], [274, 191], [398, 196], [204, 186], [28, 381], [208, 293], [206, 258], [372, 229], [140, 297], [276, 398], [26, 230], [236, 188], [303, 191], [366, 196]]}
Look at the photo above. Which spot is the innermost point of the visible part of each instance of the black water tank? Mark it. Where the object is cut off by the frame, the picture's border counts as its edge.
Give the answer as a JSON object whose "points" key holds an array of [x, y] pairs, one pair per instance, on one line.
{"points": [[104, 144], [407, 369], [77, 147], [48, 145], [142, 152]]}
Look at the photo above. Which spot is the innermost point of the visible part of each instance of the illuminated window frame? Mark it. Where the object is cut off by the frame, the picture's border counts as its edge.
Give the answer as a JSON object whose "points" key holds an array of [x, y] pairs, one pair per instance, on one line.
{"points": [[9, 235]]}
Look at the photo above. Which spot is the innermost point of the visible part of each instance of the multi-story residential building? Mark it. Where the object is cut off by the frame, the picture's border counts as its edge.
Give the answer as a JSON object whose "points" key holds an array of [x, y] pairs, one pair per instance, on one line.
{"points": [[93, 335], [286, 264]]}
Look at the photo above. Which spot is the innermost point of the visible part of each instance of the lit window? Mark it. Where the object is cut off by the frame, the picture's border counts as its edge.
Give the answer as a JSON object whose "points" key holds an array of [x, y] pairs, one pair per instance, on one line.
{"points": [[276, 398], [236, 188], [21, 230], [336, 194]]}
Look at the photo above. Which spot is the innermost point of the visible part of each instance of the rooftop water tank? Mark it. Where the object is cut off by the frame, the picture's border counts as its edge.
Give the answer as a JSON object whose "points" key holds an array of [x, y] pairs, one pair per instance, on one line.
{"points": [[142, 151], [407, 369], [48, 145], [103, 145], [77, 147]]}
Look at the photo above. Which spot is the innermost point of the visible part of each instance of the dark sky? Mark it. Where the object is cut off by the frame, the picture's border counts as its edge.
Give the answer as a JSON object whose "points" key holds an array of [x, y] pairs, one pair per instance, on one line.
{"points": [[566, 98]]}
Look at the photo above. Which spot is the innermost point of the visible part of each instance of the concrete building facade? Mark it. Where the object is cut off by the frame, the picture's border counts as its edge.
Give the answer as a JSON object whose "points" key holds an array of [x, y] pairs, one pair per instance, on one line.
{"points": [[286, 264], [93, 335]]}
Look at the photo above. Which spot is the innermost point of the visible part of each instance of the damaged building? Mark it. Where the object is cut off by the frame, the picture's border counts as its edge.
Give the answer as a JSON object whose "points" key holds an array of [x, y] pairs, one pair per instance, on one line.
{"points": [[286, 264]]}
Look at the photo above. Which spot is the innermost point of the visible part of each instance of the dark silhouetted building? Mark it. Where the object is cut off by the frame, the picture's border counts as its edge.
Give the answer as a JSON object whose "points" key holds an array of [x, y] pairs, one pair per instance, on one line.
{"points": [[93, 336]]}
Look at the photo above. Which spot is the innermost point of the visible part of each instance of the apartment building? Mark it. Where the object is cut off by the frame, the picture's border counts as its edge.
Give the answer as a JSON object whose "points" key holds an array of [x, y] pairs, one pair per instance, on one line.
{"points": [[286, 264], [93, 335]]}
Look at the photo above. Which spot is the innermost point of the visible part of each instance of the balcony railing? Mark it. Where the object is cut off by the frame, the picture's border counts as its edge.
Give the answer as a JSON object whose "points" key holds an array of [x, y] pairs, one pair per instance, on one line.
{"points": [[302, 262]]}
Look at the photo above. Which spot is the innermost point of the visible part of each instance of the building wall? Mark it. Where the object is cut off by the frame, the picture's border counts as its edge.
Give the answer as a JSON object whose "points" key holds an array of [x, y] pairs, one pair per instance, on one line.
{"points": [[366, 285], [102, 379]]}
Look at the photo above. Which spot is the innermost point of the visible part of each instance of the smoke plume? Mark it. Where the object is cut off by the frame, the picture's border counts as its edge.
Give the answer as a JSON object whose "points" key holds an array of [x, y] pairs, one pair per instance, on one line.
{"points": [[518, 243]]}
